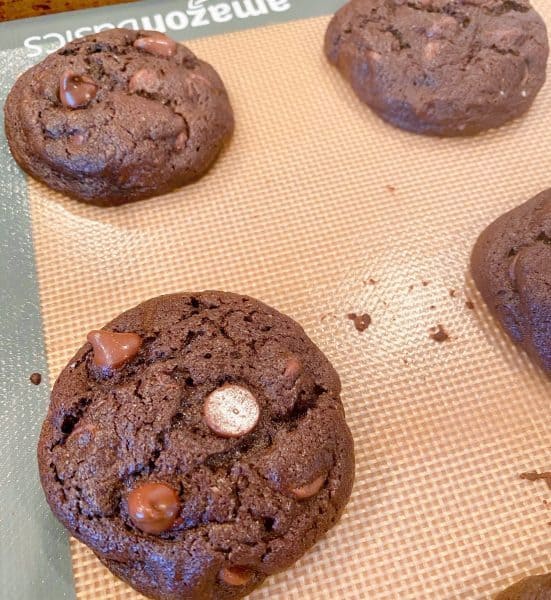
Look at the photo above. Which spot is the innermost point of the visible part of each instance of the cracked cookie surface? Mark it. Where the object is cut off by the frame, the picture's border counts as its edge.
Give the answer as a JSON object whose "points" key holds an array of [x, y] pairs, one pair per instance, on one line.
{"points": [[137, 463], [441, 67], [511, 266], [118, 116]]}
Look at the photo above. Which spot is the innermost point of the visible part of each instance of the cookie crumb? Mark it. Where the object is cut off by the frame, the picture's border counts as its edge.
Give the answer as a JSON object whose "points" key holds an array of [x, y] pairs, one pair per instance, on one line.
{"points": [[370, 281], [391, 188], [425, 283], [432, 307], [535, 476], [469, 304], [410, 288], [361, 322], [453, 293], [439, 334], [35, 378]]}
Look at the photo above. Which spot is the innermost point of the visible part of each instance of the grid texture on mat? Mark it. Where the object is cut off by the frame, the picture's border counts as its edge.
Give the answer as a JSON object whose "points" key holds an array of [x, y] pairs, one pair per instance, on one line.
{"points": [[321, 210]]}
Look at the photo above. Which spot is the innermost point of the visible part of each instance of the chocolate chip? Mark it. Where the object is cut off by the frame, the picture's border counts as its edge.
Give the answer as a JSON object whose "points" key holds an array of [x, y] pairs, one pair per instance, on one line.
{"points": [[512, 270], [76, 91], [235, 576], [439, 334], [231, 411], [35, 378], [293, 368], [156, 43], [112, 349], [77, 139], [181, 140], [144, 80], [361, 322], [153, 507], [310, 489]]}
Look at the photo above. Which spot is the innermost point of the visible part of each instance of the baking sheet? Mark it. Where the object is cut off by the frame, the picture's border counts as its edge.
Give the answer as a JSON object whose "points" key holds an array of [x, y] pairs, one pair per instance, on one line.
{"points": [[322, 210]]}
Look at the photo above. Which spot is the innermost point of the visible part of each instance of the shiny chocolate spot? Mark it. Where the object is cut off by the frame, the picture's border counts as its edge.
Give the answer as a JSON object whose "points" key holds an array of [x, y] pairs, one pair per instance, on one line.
{"points": [[156, 43], [310, 489], [112, 349], [76, 91], [236, 576], [153, 507], [231, 411]]}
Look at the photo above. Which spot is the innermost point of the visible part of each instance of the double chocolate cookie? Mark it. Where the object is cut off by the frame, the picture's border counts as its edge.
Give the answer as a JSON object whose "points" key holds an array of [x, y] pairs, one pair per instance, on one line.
{"points": [[118, 116], [197, 444], [511, 265], [537, 587], [441, 67]]}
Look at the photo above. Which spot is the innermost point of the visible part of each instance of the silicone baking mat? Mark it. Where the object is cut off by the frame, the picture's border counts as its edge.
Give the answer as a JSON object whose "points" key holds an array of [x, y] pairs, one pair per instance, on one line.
{"points": [[322, 210]]}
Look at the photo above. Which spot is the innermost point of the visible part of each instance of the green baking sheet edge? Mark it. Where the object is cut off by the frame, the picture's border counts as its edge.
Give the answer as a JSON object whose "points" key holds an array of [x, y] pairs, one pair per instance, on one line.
{"points": [[34, 549]]}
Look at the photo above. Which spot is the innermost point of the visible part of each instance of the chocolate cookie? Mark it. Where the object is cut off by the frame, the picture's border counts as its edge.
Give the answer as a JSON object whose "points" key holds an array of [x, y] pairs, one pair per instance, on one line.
{"points": [[511, 265], [537, 587], [441, 67], [197, 444], [118, 116]]}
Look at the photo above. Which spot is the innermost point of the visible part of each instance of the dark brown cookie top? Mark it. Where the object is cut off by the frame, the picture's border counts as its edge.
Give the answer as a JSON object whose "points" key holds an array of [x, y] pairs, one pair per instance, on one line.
{"points": [[442, 67], [537, 587], [511, 265], [216, 453], [118, 116]]}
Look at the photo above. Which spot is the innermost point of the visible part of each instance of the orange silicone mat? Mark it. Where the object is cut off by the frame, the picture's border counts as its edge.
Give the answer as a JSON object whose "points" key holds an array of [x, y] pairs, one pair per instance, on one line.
{"points": [[320, 209]]}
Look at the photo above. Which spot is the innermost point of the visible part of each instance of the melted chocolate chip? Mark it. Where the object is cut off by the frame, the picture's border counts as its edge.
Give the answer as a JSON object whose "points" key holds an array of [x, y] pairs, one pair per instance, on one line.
{"points": [[310, 489], [144, 80], [236, 576], [156, 43], [112, 349], [293, 369], [76, 91], [153, 507]]}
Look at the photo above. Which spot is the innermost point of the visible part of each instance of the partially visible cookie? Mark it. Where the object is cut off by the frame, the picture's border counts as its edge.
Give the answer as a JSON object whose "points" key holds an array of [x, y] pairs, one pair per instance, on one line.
{"points": [[441, 67], [511, 265], [197, 444], [118, 116], [537, 587]]}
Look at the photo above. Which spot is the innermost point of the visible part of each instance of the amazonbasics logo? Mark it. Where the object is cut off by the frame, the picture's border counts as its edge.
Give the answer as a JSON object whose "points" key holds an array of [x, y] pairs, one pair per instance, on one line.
{"points": [[198, 13]]}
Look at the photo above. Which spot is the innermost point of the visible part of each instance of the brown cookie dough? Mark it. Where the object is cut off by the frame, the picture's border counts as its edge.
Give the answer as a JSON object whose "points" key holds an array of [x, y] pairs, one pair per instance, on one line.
{"points": [[118, 116], [214, 454], [537, 587], [441, 67], [511, 266]]}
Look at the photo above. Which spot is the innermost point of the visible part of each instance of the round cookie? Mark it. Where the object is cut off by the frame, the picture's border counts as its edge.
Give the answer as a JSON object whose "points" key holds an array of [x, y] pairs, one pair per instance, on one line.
{"points": [[197, 444], [118, 116], [511, 266], [537, 587], [441, 67]]}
